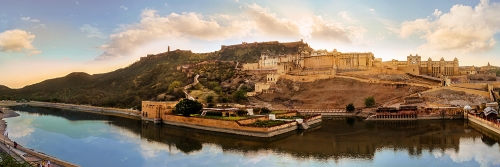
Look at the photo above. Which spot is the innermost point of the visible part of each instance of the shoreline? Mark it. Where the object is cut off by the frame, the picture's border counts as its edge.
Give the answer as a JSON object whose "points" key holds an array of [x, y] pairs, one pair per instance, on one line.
{"points": [[125, 113], [19, 152]]}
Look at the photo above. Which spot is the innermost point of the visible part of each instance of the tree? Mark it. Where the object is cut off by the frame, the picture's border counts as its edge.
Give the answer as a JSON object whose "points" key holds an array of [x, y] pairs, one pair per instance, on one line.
{"points": [[173, 85], [350, 107], [240, 95], [187, 107], [209, 98], [369, 101]]}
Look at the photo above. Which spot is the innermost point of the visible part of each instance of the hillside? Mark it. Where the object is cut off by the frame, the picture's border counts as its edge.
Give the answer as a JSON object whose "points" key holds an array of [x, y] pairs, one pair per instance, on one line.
{"points": [[334, 93], [148, 78]]}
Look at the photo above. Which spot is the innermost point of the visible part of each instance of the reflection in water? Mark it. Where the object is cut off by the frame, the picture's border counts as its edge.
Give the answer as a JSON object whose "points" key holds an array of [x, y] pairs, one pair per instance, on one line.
{"points": [[488, 141], [342, 142]]}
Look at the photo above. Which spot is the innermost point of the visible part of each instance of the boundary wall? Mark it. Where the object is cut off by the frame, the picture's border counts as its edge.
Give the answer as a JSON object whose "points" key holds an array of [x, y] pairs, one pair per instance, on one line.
{"points": [[239, 127]]}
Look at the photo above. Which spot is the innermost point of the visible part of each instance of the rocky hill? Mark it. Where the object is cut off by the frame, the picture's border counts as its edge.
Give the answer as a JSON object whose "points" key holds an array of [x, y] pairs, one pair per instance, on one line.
{"points": [[151, 76]]}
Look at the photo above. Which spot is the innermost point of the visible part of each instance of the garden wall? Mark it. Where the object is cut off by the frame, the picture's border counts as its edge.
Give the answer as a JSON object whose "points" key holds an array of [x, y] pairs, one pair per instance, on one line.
{"points": [[230, 126]]}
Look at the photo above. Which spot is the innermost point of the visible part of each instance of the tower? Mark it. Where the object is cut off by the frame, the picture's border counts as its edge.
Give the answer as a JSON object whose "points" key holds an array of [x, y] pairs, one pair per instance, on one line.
{"points": [[413, 60], [430, 68], [455, 67]]}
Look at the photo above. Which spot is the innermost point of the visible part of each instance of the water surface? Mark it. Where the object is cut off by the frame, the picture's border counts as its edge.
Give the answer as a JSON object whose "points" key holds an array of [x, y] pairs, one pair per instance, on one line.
{"points": [[90, 139]]}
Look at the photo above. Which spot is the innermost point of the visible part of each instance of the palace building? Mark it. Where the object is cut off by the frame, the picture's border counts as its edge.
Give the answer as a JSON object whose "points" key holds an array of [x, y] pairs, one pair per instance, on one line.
{"points": [[316, 60]]}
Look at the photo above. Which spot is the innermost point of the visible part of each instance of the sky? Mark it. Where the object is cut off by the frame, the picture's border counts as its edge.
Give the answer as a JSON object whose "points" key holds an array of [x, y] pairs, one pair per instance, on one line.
{"points": [[52, 38]]}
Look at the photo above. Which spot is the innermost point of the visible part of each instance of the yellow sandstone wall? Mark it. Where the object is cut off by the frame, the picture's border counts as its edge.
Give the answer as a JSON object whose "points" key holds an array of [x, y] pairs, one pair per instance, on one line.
{"points": [[250, 66], [261, 86], [412, 69], [215, 123], [157, 109], [319, 62]]}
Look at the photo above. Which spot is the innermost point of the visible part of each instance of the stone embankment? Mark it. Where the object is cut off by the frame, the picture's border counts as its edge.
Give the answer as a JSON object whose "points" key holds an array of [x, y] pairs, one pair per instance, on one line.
{"points": [[240, 127], [127, 113], [410, 117], [492, 126]]}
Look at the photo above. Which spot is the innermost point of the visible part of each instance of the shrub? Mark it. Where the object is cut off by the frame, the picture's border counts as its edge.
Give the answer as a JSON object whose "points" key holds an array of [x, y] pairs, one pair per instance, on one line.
{"points": [[241, 112], [209, 99], [369, 101], [350, 107], [173, 85], [265, 110], [267, 123]]}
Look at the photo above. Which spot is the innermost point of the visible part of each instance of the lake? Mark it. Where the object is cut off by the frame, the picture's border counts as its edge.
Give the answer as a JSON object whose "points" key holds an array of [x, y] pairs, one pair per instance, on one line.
{"points": [[88, 139]]}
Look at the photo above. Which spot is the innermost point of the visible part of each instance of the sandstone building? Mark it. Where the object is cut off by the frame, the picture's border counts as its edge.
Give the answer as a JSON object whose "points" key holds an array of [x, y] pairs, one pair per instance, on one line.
{"points": [[157, 109], [315, 60], [415, 65], [307, 62]]}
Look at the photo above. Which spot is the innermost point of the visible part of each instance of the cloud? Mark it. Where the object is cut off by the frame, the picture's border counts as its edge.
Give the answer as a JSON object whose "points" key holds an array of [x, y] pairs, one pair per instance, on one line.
{"points": [[269, 24], [34, 52], [464, 29], [123, 7], [165, 5], [24, 128], [254, 22], [474, 149], [314, 27], [17, 41], [40, 26], [346, 17], [329, 31], [371, 10], [154, 27], [28, 19], [77, 3], [92, 31], [437, 13]]}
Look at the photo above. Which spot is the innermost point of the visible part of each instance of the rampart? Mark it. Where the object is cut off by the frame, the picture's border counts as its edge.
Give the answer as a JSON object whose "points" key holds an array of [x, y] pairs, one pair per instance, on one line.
{"points": [[246, 44]]}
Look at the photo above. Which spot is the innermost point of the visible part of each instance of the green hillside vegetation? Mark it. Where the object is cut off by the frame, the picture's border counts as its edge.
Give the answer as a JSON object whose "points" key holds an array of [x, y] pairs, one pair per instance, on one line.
{"points": [[251, 54], [151, 78]]}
